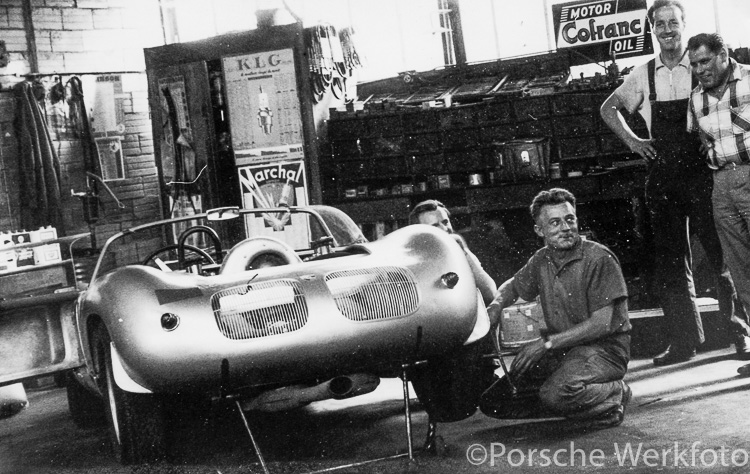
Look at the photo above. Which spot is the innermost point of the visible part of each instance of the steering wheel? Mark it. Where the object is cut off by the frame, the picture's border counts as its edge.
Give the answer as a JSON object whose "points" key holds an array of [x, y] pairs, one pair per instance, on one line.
{"points": [[195, 229], [181, 261]]}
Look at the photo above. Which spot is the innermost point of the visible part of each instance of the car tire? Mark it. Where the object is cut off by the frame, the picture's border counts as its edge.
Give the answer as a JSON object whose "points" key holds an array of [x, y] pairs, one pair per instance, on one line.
{"points": [[449, 387], [136, 420], [86, 408]]}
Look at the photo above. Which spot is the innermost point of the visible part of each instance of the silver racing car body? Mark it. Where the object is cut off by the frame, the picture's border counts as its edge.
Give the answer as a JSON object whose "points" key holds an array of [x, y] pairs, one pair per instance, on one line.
{"points": [[276, 308]]}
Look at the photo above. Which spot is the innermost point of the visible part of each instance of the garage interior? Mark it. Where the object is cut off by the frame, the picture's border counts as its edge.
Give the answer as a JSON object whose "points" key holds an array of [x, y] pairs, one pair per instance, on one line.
{"points": [[144, 121]]}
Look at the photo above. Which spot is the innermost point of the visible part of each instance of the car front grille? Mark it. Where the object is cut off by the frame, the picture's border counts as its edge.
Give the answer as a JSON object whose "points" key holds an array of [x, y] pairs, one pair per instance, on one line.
{"points": [[374, 293], [260, 309]]}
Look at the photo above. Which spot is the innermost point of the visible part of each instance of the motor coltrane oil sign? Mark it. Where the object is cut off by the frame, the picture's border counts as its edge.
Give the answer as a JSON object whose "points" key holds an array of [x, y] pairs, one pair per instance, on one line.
{"points": [[600, 29]]}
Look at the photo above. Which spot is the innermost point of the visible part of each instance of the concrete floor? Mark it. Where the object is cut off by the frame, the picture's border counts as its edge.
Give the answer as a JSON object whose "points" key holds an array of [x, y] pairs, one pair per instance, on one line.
{"points": [[696, 409]]}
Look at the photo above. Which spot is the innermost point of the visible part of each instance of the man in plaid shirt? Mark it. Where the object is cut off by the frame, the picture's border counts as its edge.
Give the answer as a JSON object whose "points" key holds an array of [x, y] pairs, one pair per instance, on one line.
{"points": [[719, 110]]}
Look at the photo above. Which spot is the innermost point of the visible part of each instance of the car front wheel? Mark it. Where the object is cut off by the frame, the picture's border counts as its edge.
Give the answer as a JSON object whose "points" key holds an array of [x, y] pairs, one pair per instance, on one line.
{"points": [[136, 420]]}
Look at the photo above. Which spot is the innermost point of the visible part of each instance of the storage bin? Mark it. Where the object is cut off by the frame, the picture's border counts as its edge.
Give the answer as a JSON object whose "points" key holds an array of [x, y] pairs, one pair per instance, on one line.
{"points": [[529, 159]]}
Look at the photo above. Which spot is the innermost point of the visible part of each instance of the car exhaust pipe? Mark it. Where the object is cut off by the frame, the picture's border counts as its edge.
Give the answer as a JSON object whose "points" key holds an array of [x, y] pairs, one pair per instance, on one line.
{"points": [[296, 396], [349, 386]]}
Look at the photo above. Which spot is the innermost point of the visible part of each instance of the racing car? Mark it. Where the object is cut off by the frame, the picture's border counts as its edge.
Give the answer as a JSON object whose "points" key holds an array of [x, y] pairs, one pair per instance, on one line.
{"points": [[270, 309]]}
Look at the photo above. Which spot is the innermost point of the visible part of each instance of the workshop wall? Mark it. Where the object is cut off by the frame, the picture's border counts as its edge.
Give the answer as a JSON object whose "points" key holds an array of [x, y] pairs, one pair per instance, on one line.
{"points": [[50, 41]]}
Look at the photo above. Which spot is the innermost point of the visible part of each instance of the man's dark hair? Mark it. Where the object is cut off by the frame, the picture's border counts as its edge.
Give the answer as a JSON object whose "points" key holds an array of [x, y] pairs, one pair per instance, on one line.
{"points": [[712, 41], [550, 198], [426, 206], [661, 4]]}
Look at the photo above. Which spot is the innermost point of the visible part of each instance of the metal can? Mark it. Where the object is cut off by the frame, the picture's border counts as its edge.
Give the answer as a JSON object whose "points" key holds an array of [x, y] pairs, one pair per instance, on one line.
{"points": [[476, 179], [554, 171]]}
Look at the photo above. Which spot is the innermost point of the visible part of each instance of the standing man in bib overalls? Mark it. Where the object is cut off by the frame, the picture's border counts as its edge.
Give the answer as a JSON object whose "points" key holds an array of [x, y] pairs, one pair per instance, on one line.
{"points": [[678, 187]]}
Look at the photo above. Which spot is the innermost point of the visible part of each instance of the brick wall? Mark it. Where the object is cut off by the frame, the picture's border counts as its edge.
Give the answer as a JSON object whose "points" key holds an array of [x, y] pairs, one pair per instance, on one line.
{"points": [[85, 38]]}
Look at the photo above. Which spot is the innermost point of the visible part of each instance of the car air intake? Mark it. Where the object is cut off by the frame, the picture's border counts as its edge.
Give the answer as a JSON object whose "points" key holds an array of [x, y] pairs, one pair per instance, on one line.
{"points": [[260, 309], [374, 293]]}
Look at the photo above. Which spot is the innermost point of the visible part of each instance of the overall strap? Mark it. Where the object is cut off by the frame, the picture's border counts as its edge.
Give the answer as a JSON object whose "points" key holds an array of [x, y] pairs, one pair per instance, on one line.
{"points": [[651, 82], [704, 104]]}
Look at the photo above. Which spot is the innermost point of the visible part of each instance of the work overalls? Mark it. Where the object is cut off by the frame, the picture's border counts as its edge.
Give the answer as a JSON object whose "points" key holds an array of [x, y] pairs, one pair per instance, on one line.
{"points": [[678, 193]]}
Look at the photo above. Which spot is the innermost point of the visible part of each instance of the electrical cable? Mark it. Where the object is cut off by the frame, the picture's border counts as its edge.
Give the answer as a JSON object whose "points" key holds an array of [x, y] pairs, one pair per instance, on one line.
{"points": [[189, 182]]}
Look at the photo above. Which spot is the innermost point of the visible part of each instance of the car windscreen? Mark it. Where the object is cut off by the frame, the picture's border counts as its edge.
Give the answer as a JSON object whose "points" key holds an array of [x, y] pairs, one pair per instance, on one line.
{"points": [[342, 227], [158, 244]]}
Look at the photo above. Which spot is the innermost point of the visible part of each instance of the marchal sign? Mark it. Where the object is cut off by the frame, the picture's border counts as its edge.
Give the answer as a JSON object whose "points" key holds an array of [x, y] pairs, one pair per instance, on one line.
{"points": [[604, 29]]}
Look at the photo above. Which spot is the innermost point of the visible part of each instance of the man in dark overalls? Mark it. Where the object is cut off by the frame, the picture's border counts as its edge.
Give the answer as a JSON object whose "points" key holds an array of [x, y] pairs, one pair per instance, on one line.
{"points": [[678, 187]]}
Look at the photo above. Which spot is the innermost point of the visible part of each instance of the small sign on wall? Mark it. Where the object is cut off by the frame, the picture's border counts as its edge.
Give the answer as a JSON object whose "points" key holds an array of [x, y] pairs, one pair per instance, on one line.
{"points": [[110, 157], [108, 113]]}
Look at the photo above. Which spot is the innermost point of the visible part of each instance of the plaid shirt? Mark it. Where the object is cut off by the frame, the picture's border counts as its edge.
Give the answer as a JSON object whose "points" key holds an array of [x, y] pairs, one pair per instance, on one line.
{"points": [[724, 124]]}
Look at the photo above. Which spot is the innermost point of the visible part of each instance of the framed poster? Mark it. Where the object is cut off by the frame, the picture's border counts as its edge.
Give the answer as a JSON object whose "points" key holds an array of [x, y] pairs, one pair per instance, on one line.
{"points": [[276, 185], [108, 124], [176, 145], [264, 107]]}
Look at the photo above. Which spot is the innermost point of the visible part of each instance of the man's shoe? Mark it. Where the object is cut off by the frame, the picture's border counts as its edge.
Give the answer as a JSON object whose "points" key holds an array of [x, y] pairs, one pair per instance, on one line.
{"points": [[744, 370], [614, 416], [627, 394], [674, 355], [742, 345]]}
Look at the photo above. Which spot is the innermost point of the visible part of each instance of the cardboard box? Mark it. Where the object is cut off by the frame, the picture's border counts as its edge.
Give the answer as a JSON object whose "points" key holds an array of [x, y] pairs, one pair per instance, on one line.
{"points": [[8, 260], [47, 254], [443, 181], [50, 253], [24, 257]]}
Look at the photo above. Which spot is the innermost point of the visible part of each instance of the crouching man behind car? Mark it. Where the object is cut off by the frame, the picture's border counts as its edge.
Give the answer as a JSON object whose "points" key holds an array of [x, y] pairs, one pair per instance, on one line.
{"points": [[449, 387], [576, 370]]}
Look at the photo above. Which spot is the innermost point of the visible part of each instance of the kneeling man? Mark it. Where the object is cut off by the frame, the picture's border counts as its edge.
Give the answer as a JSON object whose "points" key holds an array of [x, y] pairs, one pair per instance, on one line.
{"points": [[579, 364]]}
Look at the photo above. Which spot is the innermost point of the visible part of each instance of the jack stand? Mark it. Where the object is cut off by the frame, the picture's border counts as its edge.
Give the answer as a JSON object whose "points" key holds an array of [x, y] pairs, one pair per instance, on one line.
{"points": [[429, 442], [252, 438], [407, 414]]}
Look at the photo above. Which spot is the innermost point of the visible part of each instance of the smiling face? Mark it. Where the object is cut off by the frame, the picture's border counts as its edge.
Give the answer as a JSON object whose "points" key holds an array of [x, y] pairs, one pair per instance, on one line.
{"points": [[557, 224], [438, 218], [668, 27], [710, 68]]}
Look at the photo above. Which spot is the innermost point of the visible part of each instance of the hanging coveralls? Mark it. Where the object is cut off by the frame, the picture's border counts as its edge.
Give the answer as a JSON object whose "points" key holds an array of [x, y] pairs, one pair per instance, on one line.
{"points": [[678, 193]]}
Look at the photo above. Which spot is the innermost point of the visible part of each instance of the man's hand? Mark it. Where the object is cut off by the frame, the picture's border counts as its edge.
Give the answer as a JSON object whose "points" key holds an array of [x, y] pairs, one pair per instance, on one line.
{"points": [[495, 313], [529, 355], [642, 147], [707, 145], [461, 241]]}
